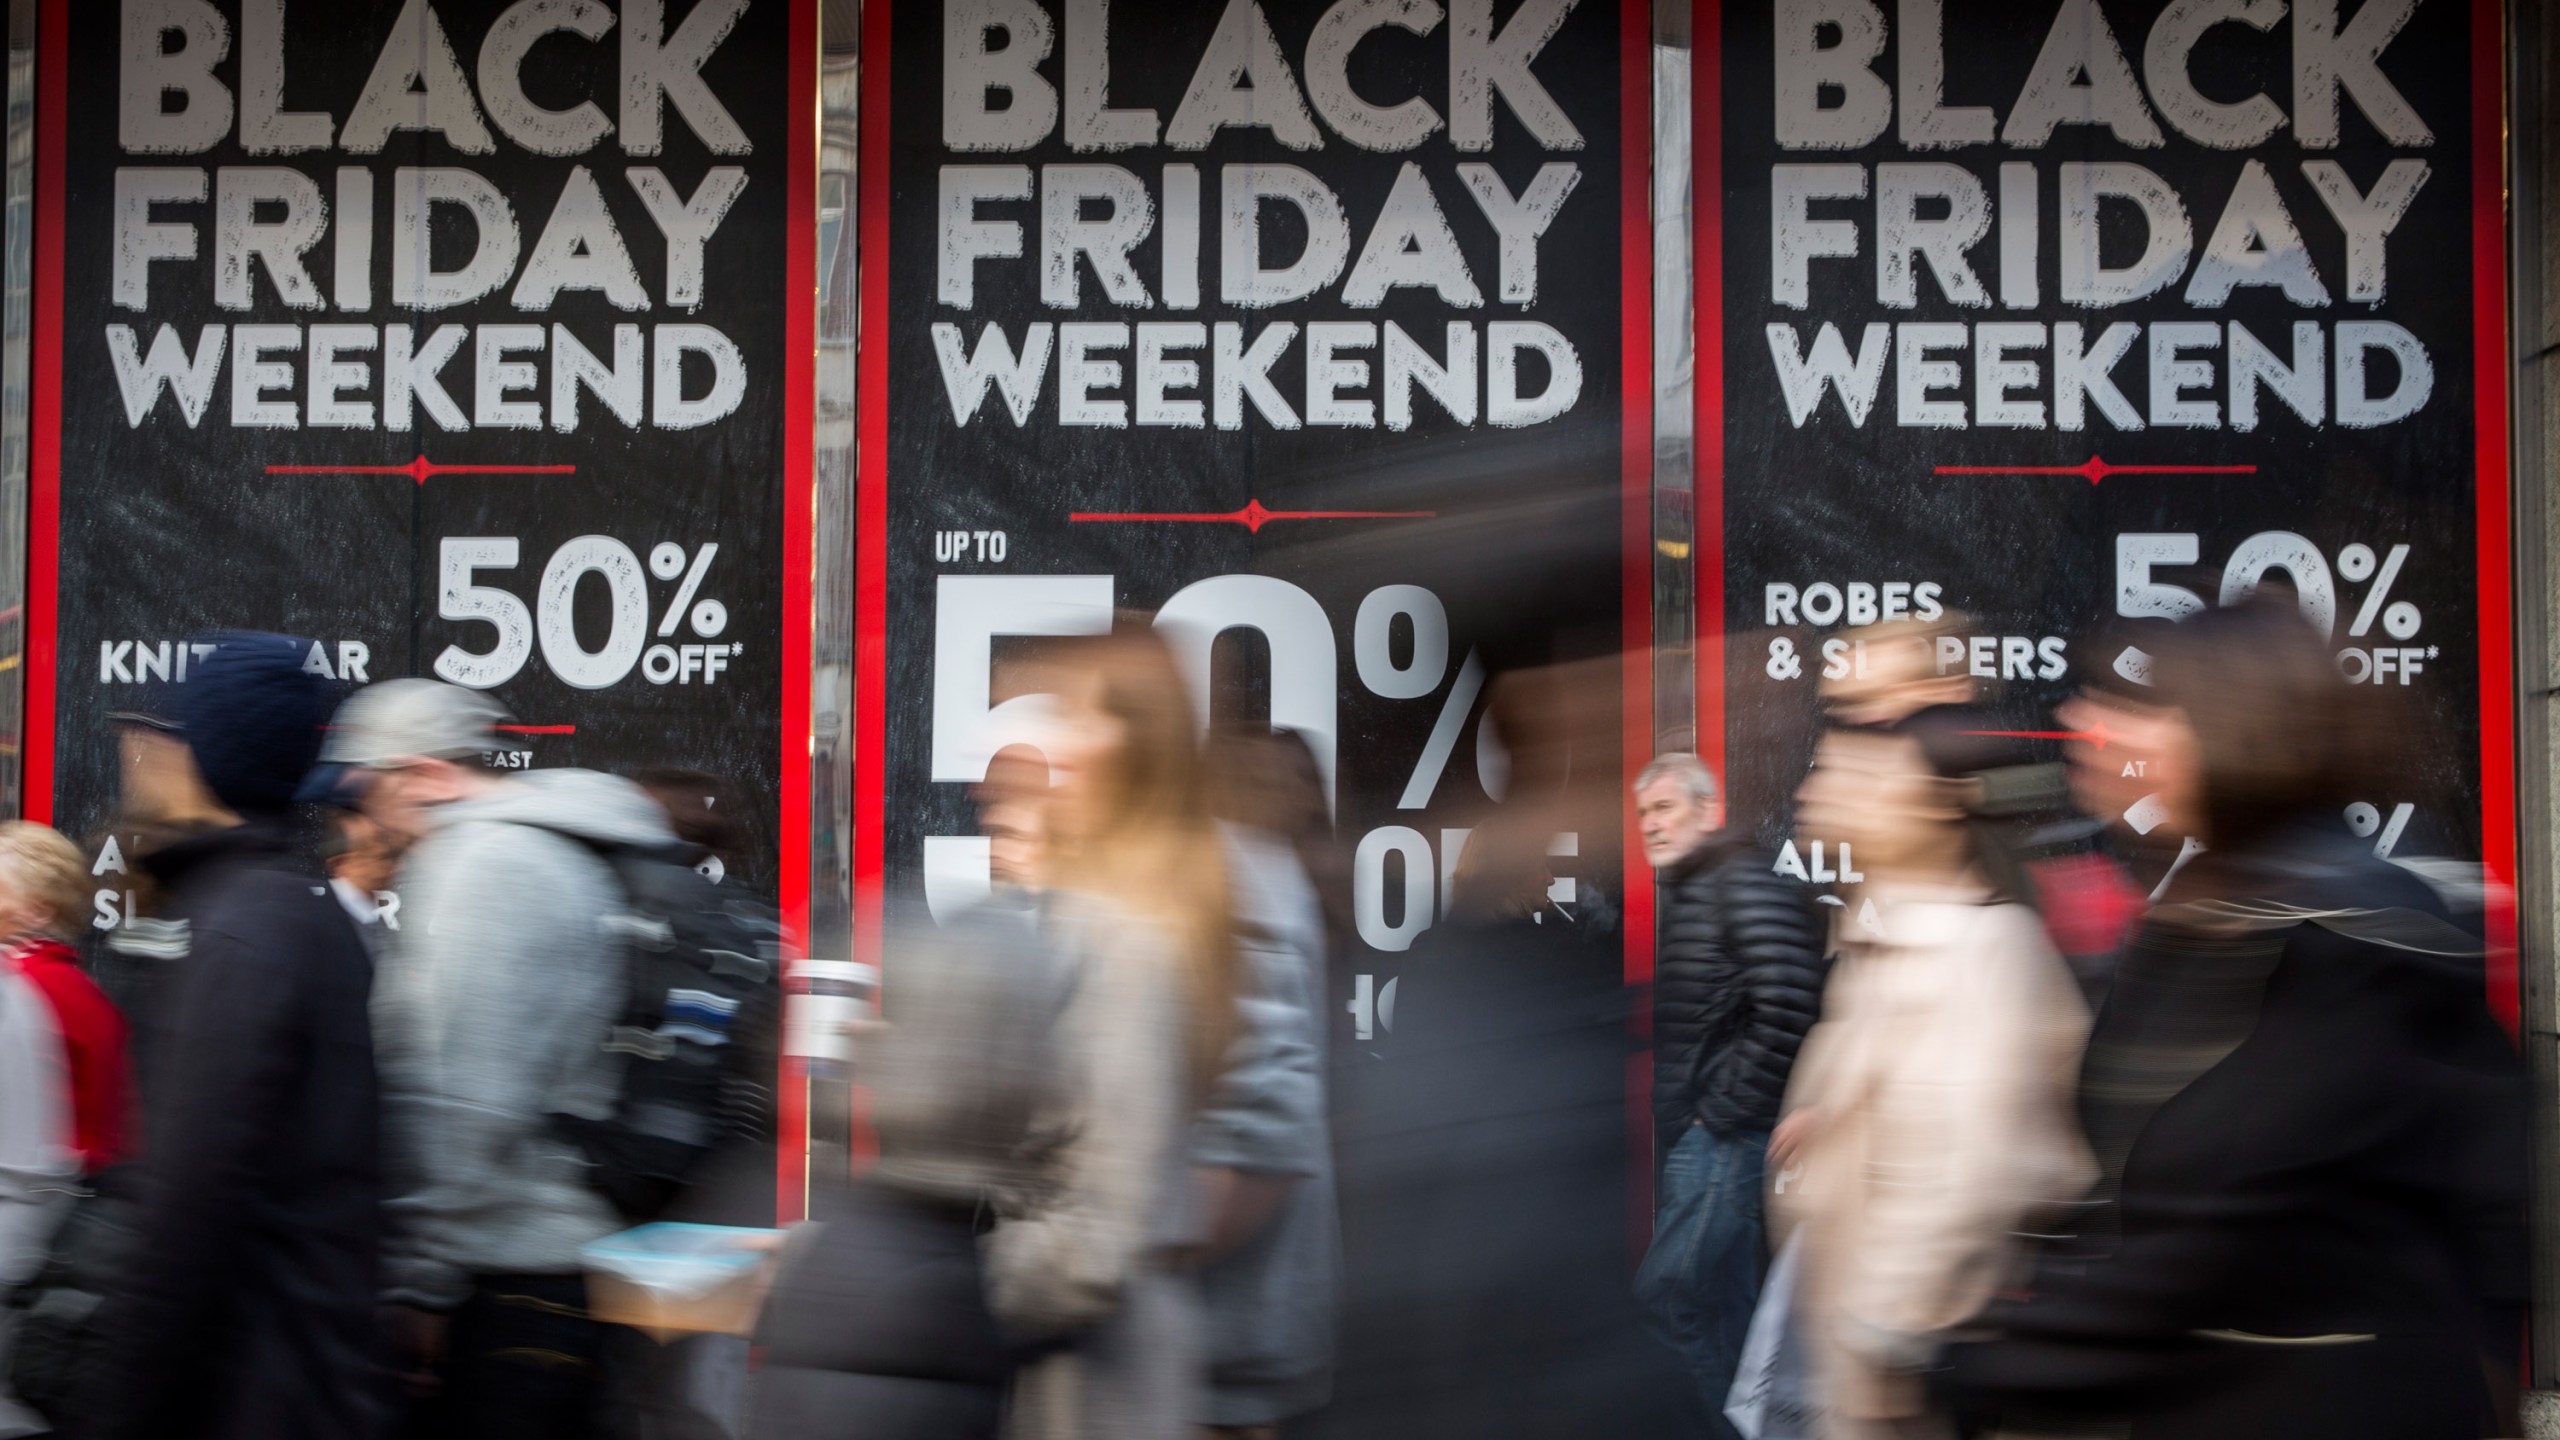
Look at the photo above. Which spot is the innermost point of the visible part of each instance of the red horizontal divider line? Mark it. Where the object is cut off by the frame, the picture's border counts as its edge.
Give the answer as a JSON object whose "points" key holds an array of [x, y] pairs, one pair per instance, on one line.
{"points": [[2102, 469], [429, 469], [1238, 517], [537, 729]]}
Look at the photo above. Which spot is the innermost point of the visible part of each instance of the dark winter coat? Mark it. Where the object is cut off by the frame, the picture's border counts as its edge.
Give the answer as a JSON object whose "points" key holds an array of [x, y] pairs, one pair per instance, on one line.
{"points": [[2312, 1134], [249, 1310], [878, 1328], [1737, 981], [1486, 1205]]}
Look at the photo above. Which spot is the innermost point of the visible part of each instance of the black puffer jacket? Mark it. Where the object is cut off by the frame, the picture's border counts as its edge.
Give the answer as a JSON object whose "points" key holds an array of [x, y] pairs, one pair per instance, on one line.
{"points": [[1736, 984]]}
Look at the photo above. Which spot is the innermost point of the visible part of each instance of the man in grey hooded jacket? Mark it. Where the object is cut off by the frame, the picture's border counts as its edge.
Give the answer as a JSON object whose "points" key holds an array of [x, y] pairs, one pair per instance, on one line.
{"points": [[491, 1012]]}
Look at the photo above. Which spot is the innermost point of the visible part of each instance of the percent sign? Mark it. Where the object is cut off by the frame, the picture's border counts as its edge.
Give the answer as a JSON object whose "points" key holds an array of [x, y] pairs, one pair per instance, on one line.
{"points": [[2400, 619], [2284, 550], [667, 561], [1373, 652], [2364, 819]]}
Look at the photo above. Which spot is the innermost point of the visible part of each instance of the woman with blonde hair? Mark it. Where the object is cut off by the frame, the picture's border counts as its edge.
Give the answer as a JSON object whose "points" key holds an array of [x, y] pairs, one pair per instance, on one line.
{"points": [[1092, 1256], [65, 1086], [44, 905]]}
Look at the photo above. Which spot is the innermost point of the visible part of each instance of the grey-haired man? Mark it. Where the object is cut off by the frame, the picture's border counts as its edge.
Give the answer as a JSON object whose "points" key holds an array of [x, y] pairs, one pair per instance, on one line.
{"points": [[1737, 983]]}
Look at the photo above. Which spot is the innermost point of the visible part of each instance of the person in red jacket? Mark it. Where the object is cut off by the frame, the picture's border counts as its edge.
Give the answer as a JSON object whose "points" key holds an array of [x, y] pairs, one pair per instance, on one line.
{"points": [[44, 892]]}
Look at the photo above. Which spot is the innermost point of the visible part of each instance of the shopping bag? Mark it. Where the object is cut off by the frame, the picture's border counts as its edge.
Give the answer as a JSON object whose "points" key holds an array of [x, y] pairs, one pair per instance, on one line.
{"points": [[1772, 1395]]}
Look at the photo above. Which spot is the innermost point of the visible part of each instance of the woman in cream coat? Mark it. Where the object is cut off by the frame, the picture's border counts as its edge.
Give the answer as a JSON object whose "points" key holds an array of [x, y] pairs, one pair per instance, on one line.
{"points": [[1929, 1116]]}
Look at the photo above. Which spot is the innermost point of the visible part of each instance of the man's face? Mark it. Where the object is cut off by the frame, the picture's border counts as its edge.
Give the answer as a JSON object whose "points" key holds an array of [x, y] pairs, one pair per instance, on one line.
{"points": [[1673, 822], [371, 857], [159, 775], [403, 797]]}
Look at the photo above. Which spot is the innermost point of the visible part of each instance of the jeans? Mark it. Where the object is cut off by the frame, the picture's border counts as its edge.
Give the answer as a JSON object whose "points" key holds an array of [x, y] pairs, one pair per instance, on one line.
{"points": [[1701, 1275]]}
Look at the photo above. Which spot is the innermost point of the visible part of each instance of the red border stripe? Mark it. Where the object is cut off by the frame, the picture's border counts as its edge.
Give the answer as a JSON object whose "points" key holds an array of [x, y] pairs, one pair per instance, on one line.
{"points": [[799, 497], [44, 403], [2495, 563]]}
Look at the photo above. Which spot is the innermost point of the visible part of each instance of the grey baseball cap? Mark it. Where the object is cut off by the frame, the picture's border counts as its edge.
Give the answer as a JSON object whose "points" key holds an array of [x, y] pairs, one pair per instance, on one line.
{"points": [[397, 720]]}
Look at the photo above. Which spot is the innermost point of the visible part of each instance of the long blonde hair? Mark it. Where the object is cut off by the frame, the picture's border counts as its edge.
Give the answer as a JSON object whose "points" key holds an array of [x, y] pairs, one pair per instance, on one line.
{"points": [[1148, 843]]}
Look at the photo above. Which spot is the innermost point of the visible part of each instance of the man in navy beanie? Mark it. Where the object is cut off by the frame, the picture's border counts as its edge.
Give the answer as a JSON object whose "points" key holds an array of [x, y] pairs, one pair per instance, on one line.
{"points": [[249, 1307]]}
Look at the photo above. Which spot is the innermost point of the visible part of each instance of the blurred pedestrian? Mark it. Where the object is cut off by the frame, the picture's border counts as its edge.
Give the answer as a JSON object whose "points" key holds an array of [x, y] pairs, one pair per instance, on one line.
{"points": [[1929, 1116], [361, 854], [495, 1003], [46, 900], [249, 1311], [2309, 1128], [1737, 981], [44, 905], [39, 1169], [1488, 1261], [1094, 1260], [1270, 1264], [878, 1325]]}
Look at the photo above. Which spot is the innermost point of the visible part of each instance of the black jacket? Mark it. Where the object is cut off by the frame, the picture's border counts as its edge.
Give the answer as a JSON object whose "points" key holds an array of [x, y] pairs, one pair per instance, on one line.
{"points": [[878, 1328], [2308, 1125], [1736, 984], [249, 1311]]}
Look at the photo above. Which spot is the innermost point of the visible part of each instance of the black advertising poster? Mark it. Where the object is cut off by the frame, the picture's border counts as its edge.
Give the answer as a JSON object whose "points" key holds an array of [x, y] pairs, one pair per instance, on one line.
{"points": [[2057, 314], [468, 338], [1251, 315]]}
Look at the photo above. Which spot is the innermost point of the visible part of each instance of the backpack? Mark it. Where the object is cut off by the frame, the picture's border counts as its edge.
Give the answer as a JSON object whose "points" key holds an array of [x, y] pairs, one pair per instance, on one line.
{"points": [[696, 1044]]}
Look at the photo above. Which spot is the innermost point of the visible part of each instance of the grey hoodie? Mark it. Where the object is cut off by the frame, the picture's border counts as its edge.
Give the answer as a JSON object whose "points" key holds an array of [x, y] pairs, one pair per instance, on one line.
{"points": [[489, 1015]]}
